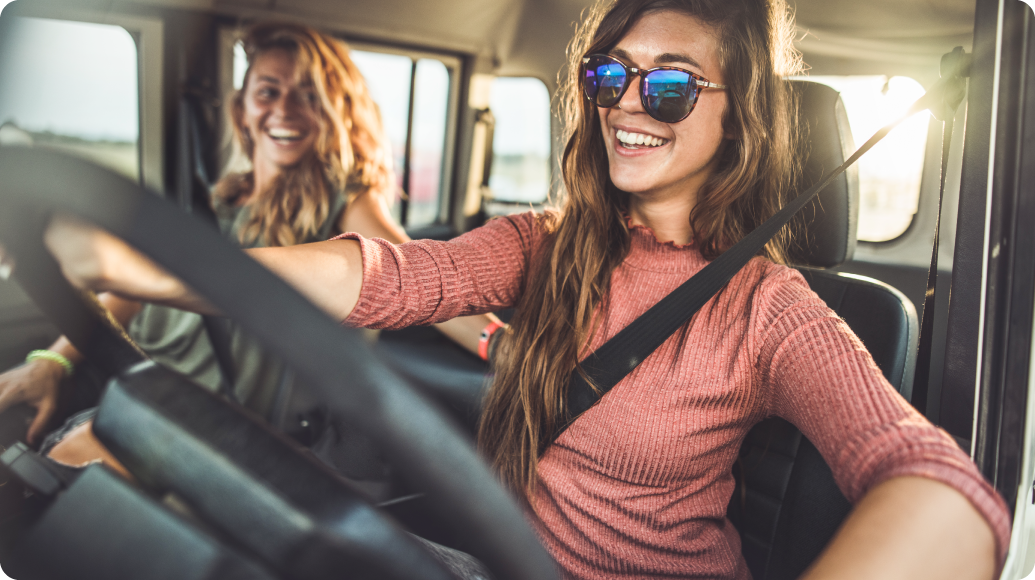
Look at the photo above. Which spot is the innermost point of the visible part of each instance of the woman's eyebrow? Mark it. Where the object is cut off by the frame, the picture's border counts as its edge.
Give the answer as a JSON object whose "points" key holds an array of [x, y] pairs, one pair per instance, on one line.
{"points": [[269, 79], [664, 58], [676, 57]]}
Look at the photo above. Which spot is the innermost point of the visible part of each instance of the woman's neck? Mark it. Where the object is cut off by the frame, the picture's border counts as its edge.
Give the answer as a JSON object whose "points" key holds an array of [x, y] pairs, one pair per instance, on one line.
{"points": [[263, 176], [669, 219]]}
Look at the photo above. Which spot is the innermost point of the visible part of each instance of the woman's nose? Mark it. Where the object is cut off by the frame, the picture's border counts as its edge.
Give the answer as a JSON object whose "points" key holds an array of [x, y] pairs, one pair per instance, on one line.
{"points": [[289, 104], [630, 101]]}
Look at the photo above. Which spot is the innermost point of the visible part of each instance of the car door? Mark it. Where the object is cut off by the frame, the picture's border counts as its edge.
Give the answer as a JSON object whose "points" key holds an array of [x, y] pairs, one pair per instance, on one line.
{"points": [[988, 372]]}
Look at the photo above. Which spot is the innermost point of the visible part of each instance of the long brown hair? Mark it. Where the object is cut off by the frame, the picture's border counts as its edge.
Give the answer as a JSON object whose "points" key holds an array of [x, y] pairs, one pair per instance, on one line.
{"points": [[351, 152], [567, 286]]}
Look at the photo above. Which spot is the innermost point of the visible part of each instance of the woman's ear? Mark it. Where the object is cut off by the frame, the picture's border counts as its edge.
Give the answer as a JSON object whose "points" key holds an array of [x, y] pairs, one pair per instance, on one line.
{"points": [[730, 131]]}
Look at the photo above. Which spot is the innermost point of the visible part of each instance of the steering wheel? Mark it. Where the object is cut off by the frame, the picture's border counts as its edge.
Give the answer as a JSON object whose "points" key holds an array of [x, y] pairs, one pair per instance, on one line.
{"points": [[424, 446]]}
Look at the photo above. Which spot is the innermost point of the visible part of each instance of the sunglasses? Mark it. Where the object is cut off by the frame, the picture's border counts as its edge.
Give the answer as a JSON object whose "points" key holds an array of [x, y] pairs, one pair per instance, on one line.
{"points": [[668, 93]]}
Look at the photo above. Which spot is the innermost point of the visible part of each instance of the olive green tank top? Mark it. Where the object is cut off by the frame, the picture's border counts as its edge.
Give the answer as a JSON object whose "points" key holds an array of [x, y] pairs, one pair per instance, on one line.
{"points": [[178, 339]]}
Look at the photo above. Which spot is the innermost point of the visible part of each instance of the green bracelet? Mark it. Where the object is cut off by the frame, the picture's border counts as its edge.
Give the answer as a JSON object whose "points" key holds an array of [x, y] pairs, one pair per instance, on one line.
{"points": [[52, 356]]}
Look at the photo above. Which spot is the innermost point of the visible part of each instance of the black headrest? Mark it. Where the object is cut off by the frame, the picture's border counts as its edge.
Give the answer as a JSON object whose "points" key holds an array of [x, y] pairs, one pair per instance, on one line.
{"points": [[823, 233]]}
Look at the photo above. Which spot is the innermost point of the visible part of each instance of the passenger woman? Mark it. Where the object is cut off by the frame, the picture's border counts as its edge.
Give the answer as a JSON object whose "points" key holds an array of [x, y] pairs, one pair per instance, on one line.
{"points": [[658, 182], [312, 161]]}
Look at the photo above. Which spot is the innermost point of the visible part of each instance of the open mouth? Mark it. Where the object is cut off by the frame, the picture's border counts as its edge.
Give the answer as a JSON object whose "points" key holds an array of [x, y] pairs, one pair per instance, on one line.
{"points": [[285, 135], [638, 140]]}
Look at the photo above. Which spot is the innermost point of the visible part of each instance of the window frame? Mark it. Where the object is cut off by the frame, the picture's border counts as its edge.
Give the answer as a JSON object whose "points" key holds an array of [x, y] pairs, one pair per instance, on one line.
{"points": [[860, 139], [454, 67], [912, 248], [148, 35], [551, 161]]}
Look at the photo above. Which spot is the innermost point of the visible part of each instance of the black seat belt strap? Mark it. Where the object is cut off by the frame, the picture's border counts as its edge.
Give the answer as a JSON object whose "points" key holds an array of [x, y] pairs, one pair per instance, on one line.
{"points": [[617, 357], [955, 63], [191, 175], [219, 336]]}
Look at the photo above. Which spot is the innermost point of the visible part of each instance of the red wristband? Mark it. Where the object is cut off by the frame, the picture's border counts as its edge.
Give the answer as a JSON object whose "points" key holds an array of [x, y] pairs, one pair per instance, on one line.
{"points": [[483, 340]]}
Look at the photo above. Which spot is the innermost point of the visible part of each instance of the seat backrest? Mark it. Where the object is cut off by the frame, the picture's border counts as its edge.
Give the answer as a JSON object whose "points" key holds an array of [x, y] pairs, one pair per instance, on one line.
{"points": [[786, 504]]}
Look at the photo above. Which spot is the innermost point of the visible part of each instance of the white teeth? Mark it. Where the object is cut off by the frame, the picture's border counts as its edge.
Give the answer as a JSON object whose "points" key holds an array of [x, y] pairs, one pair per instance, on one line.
{"points": [[628, 138], [284, 133]]}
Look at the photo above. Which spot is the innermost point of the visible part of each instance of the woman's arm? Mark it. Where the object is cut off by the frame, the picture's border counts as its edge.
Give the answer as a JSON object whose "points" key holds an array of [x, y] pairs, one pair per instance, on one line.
{"points": [[36, 382], [914, 488], [368, 216], [330, 274], [910, 528]]}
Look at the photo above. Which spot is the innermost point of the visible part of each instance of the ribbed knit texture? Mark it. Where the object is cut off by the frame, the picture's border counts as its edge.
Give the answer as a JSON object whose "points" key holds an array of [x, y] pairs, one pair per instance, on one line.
{"points": [[637, 487]]}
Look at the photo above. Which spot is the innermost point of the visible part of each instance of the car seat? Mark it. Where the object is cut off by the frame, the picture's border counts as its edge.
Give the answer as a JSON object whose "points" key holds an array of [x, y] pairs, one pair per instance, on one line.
{"points": [[786, 505]]}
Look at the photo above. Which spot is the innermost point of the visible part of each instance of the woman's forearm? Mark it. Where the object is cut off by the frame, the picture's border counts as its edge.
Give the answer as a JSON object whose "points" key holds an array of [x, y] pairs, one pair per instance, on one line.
{"points": [[123, 310], [910, 528], [330, 274], [369, 216], [466, 330]]}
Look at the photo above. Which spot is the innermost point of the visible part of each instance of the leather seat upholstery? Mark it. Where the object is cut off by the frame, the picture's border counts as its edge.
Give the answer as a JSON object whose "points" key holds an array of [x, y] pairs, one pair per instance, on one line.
{"points": [[786, 504]]}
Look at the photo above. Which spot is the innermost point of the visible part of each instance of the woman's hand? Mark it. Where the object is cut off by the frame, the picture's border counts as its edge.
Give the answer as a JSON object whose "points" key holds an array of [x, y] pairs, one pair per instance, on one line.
{"points": [[330, 274], [35, 383], [93, 259]]}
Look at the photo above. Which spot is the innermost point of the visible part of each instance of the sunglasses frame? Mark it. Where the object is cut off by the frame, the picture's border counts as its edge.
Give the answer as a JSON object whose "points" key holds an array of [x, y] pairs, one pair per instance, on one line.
{"points": [[630, 72]]}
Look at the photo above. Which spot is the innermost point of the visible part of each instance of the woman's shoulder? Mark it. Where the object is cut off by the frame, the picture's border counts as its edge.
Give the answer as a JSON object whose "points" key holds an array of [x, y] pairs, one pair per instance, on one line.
{"points": [[771, 275], [778, 289]]}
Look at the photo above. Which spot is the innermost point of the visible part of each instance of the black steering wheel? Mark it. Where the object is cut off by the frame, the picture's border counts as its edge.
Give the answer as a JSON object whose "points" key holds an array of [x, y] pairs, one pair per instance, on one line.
{"points": [[424, 446]]}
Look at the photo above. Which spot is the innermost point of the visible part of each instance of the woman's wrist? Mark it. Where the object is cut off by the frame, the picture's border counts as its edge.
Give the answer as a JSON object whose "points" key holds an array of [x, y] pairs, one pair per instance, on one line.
{"points": [[487, 339], [54, 357]]}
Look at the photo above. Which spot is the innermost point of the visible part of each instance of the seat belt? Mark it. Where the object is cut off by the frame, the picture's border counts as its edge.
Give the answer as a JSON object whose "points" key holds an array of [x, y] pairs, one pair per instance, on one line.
{"points": [[609, 364], [955, 63], [191, 174]]}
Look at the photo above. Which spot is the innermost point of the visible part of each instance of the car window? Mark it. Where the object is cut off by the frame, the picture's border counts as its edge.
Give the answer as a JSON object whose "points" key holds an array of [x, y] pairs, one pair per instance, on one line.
{"points": [[389, 77], [889, 175], [430, 113], [521, 140], [419, 141], [72, 87]]}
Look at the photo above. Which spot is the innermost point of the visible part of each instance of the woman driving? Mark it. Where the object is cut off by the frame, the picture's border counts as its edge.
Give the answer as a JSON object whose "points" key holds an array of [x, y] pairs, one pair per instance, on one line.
{"points": [[680, 141], [317, 164]]}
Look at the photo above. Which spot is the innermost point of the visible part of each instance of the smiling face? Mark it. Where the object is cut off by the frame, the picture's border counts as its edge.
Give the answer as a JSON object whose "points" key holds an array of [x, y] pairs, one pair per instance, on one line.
{"points": [[280, 112], [665, 162]]}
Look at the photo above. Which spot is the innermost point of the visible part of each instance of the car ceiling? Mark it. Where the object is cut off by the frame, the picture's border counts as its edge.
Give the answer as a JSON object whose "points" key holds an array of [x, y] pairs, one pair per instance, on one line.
{"points": [[528, 37]]}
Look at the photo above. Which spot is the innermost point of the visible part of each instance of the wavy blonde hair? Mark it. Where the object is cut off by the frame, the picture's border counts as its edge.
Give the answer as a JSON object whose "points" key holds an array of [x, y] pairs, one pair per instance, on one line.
{"points": [[351, 153], [589, 238]]}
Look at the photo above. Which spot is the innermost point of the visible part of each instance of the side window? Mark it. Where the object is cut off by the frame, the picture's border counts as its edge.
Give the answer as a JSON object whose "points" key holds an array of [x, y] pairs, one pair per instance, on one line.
{"points": [[430, 111], [521, 140], [72, 87], [414, 95], [889, 175]]}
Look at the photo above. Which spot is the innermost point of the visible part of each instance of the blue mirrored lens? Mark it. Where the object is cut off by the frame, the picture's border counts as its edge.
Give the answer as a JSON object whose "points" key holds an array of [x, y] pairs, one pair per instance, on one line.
{"points": [[611, 80], [669, 94], [603, 80]]}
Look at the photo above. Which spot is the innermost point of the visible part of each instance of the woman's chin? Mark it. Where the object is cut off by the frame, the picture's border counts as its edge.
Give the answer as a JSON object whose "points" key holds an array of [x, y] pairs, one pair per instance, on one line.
{"points": [[633, 184], [284, 162]]}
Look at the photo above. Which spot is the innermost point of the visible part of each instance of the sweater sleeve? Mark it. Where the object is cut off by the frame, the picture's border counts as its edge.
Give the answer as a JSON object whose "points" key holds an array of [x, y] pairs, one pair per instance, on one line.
{"points": [[428, 281], [821, 378]]}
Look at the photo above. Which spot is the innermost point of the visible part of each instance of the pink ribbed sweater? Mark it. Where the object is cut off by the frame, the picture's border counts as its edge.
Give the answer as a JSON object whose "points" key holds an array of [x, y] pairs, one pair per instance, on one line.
{"points": [[638, 486]]}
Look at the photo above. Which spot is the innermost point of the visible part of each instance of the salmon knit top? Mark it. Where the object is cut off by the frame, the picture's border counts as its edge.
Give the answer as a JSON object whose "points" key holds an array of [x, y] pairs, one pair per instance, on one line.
{"points": [[637, 487]]}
